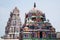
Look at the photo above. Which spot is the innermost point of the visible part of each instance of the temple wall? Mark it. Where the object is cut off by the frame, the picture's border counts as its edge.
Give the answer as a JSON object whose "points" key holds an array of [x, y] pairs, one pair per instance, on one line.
{"points": [[1, 39], [11, 39], [8, 39], [58, 34]]}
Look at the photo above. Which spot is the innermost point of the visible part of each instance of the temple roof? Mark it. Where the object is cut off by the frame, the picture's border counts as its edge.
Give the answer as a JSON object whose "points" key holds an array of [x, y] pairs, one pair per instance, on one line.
{"points": [[15, 9], [35, 10]]}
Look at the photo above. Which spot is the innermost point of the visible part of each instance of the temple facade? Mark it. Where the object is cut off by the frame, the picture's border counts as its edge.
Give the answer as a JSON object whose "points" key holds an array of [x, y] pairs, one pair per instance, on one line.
{"points": [[35, 26], [12, 28]]}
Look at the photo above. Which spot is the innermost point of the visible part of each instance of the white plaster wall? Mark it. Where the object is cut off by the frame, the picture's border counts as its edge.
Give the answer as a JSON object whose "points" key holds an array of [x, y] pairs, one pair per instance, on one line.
{"points": [[1, 39], [8, 39], [58, 34]]}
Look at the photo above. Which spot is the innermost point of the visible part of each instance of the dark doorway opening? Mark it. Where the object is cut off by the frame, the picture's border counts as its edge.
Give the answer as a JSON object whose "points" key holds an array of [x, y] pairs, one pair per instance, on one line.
{"points": [[40, 34]]}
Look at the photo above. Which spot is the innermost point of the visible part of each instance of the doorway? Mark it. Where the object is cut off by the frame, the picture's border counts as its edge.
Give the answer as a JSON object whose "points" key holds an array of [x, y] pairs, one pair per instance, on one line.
{"points": [[41, 34]]}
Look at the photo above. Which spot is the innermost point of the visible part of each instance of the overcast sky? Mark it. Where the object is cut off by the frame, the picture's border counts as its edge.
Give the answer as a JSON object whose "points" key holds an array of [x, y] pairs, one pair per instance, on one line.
{"points": [[51, 8]]}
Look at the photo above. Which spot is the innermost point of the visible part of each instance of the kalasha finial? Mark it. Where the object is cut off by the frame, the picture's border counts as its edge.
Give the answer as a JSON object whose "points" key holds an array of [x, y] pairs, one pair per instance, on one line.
{"points": [[34, 4], [15, 9]]}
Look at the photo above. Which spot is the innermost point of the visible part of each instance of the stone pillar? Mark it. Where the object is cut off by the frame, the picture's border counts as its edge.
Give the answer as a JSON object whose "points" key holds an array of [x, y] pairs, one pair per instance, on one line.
{"points": [[38, 34]]}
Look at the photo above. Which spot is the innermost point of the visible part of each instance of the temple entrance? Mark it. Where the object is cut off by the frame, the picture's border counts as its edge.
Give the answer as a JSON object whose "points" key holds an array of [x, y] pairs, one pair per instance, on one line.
{"points": [[41, 34]]}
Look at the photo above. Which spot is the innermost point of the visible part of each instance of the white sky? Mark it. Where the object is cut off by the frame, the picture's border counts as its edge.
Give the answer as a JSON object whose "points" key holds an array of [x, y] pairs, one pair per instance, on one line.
{"points": [[51, 8]]}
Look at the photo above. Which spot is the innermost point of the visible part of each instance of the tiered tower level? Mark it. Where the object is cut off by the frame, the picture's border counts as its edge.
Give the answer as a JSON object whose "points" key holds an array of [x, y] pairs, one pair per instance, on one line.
{"points": [[35, 20], [12, 29]]}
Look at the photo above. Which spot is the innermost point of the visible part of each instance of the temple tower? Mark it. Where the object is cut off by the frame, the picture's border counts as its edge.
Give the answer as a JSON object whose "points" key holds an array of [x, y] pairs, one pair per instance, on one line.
{"points": [[35, 20], [13, 25]]}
